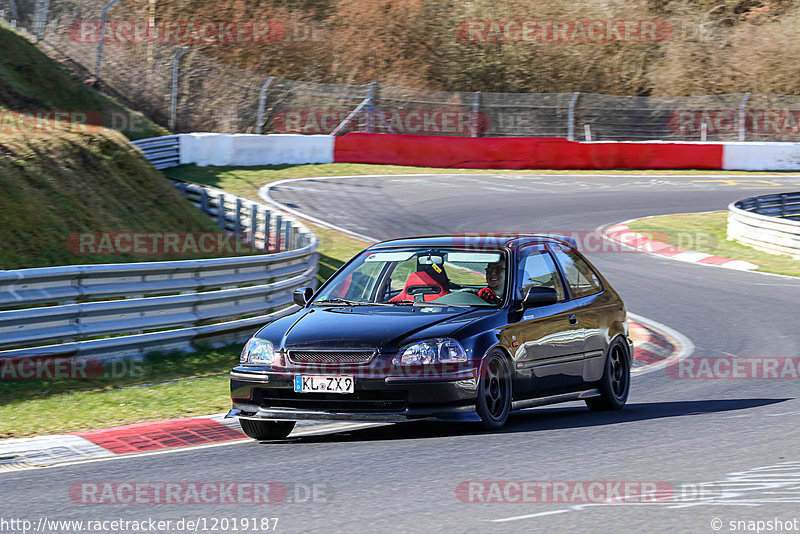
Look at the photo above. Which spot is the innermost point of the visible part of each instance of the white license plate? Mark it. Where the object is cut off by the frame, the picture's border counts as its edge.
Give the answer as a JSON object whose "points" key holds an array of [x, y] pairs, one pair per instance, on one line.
{"points": [[323, 384]]}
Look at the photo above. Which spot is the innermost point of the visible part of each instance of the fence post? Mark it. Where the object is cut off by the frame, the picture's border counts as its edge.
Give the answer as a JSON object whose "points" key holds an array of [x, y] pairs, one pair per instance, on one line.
{"points": [[41, 19], [476, 110], [102, 39], [173, 101], [742, 121], [262, 101], [370, 104], [342, 125], [571, 116], [12, 6]]}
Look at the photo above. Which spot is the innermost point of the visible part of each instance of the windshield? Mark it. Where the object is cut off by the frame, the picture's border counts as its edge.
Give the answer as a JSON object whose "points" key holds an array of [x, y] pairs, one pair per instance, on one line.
{"points": [[423, 275]]}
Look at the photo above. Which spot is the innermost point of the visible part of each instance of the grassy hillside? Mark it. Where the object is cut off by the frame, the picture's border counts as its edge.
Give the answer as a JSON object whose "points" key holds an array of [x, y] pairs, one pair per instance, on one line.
{"points": [[60, 184], [31, 82]]}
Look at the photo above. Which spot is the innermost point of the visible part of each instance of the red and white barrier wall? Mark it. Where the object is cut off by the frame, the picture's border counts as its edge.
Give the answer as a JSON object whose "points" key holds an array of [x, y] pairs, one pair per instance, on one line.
{"points": [[220, 150], [483, 152], [761, 156]]}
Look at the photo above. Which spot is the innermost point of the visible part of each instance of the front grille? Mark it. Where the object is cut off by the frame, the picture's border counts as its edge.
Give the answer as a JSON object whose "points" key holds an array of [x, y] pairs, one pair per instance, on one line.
{"points": [[331, 357], [381, 401]]}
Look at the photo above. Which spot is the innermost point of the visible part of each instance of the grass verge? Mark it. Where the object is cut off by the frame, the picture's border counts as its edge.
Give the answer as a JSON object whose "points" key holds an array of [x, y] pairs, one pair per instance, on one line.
{"points": [[162, 385], [707, 232]]}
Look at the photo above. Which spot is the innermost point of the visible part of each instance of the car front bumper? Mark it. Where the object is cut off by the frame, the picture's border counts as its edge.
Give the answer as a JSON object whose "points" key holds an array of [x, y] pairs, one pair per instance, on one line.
{"points": [[271, 396]]}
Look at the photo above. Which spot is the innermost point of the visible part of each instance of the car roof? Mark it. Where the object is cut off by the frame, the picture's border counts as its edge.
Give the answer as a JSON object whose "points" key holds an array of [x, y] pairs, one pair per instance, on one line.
{"points": [[476, 239]]}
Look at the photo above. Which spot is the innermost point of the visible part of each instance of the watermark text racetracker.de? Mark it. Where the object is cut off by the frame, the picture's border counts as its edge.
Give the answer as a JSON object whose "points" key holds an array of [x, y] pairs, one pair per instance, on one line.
{"points": [[71, 368], [727, 121], [199, 32], [199, 492], [583, 492], [176, 32], [409, 121], [74, 121], [162, 243], [735, 368], [565, 31], [142, 524], [592, 241]]}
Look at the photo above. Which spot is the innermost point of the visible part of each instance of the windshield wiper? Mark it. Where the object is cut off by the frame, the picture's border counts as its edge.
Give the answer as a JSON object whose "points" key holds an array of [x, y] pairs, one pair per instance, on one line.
{"points": [[423, 304], [339, 301]]}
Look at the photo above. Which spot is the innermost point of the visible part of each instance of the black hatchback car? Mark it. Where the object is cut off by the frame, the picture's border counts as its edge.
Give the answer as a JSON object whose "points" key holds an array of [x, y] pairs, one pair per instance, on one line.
{"points": [[455, 328]]}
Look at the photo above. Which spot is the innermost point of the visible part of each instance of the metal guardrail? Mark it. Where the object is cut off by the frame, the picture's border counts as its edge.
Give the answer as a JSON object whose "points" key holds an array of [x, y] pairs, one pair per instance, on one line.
{"points": [[769, 222], [161, 305], [161, 152]]}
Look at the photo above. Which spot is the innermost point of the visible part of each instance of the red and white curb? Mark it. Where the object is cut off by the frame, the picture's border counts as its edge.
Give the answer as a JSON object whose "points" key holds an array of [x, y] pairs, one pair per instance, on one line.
{"points": [[169, 435], [654, 346], [622, 234]]}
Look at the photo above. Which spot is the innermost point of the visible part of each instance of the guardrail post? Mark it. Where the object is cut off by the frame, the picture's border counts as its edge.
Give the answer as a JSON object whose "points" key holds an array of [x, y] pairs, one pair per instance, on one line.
{"points": [[571, 116], [221, 212], [104, 20], [287, 231], [204, 201], [742, 121], [267, 215], [238, 224], [278, 225], [253, 224], [262, 101], [173, 100]]}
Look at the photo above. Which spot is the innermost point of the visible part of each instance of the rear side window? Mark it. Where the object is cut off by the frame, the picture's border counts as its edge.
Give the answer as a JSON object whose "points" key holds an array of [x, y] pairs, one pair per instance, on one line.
{"points": [[581, 279], [538, 269]]}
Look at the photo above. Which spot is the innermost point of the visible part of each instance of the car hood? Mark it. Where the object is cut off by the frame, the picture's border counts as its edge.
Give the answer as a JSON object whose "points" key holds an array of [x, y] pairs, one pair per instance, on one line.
{"points": [[366, 327]]}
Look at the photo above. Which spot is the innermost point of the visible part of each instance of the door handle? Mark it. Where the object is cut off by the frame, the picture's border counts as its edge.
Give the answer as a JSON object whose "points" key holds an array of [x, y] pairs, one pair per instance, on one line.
{"points": [[573, 319]]}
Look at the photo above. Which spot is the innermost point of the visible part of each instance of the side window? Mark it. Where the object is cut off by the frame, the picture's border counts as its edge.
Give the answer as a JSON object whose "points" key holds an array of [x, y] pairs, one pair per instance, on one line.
{"points": [[537, 269], [581, 279]]}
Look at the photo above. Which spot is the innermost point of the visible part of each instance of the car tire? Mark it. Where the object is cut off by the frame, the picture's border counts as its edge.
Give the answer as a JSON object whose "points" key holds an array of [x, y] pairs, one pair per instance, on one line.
{"points": [[494, 391], [266, 430], [616, 381]]}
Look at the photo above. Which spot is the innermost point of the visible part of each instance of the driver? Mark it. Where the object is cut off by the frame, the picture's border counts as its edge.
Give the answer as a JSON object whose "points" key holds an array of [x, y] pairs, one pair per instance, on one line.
{"points": [[496, 281]]}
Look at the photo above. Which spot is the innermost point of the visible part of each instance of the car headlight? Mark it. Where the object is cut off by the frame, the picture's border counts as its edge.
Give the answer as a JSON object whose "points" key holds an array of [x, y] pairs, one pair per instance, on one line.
{"points": [[258, 351], [444, 350]]}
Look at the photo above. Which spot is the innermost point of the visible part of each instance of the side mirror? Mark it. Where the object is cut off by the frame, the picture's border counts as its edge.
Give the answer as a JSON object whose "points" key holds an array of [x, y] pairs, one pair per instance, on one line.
{"points": [[538, 296], [303, 295]]}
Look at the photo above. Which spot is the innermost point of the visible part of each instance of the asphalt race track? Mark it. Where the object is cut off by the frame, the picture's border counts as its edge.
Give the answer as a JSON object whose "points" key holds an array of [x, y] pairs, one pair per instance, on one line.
{"points": [[728, 448]]}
